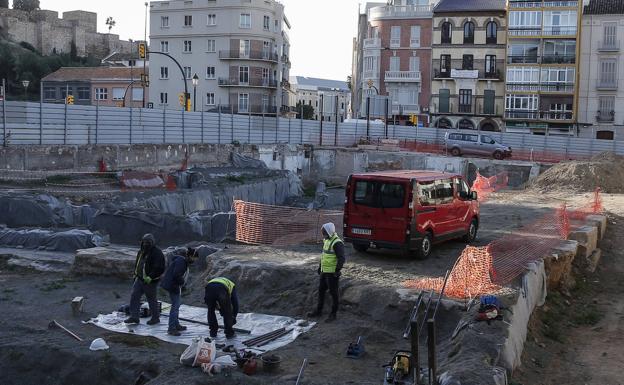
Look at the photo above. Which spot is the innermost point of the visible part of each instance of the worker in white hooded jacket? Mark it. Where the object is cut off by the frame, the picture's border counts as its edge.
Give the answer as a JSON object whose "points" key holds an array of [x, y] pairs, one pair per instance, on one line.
{"points": [[330, 266]]}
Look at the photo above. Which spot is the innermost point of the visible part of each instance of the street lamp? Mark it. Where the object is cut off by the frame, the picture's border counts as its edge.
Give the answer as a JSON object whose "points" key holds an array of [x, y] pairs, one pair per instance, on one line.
{"points": [[25, 83], [195, 83]]}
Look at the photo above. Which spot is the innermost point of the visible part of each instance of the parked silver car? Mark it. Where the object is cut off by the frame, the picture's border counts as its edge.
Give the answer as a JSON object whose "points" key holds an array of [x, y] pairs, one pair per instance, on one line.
{"points": [[459, 144]]}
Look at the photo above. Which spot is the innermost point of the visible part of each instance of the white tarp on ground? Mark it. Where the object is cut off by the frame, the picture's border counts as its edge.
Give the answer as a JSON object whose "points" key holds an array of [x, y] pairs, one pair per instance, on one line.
{"points": [[258, 324]]}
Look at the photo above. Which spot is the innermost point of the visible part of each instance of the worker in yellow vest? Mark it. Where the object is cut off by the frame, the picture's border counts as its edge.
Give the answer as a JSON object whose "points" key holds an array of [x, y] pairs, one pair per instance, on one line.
{"points": [[332, 260], [221, 295]]}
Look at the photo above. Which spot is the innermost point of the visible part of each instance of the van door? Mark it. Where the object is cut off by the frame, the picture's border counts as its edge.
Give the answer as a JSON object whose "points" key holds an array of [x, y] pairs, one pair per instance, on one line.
{"points": [[487, 145], [471, 144], [379, 211], [462, 204], [445, 208]]}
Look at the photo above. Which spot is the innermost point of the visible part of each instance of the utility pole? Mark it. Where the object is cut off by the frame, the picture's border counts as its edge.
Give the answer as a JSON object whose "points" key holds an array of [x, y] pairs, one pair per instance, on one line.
{"points": [[145, 59]]}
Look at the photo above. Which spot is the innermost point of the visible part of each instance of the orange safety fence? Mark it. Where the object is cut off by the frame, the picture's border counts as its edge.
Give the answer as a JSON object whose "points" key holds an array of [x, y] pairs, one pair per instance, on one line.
{"points": [[485, 186], [483, 270], [260, 224]]}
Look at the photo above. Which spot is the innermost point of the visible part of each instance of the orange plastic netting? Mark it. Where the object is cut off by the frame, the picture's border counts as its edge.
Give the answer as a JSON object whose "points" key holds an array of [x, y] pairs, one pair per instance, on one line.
{"points": [[260, 224], [484, 186], [483, 270]]}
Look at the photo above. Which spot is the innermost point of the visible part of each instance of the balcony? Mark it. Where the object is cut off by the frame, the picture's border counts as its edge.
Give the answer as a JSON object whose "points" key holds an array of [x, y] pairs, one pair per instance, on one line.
{"points": [[554, 115], [558, 59], [524, 115], [252, 55], [464, 74], [559, 31], [402, 76], [522, 59], [522, 87], [537, 31], [253, 82], [494, 75], [567, 88], [525, 4], [404, 109], [400, 12], [609, 46], [560, 4], [437, 74], [605, 117], [371, 75], [607, 85], [372, 43]]}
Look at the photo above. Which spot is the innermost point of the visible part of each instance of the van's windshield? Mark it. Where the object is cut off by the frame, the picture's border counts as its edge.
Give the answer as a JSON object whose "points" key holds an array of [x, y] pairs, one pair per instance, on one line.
{"points": [[379, 194]]}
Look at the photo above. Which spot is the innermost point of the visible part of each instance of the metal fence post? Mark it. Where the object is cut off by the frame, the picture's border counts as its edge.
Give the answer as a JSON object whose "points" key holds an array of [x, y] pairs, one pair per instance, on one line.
{"points": [[4, 122], [202, 121], [232, 121], [40, 114], [183, 127], [289, 119], [248, 126], [277, 124], [336, 132], [367, 117], [219, 126], [130, 132], [262, 128], [97, 119], [164, 125], [322, 118], [301, 121], [431, 343], [415, 344], [65, 124]]}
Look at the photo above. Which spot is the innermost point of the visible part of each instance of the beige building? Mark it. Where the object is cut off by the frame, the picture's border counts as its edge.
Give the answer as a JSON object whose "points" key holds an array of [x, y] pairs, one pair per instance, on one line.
{"points": [[601, 99], [321, 95], [104, 86], [468, 89]]}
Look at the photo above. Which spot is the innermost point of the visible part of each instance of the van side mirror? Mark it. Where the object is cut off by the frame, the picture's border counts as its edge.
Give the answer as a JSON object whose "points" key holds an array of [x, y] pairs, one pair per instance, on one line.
{"points": [[474, 196], [493, 142], [464, 195]]}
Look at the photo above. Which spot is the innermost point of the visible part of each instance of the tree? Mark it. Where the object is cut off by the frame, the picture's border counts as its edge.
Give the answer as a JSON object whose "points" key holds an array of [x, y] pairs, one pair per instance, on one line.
{"points": [[110, 22], [308, 111], [26, 5], [73, 51], [4, 3]]}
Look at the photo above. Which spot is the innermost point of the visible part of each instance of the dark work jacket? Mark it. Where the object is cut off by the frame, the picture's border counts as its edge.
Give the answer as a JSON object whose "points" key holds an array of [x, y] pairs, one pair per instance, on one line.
{"points": [[154, 263], [173, 279]]}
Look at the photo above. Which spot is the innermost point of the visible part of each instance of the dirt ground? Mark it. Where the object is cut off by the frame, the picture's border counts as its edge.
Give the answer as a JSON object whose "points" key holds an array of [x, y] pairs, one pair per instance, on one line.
{"points": [[578, 336], [32, 354]]}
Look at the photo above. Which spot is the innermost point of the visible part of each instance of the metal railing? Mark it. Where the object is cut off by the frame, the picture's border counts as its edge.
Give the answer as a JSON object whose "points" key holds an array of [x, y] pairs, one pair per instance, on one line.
{"points": [[609, 46], [525, 4], [251, 55], [607, 85], [536, 115], [399, 11], [558, 59], [557, 4], [253, 82], [557, 87], [522, 59], [559, 31], [605, 117], [523, 86], [521, 31], [530, 115], [402, 76], [373, 42]]}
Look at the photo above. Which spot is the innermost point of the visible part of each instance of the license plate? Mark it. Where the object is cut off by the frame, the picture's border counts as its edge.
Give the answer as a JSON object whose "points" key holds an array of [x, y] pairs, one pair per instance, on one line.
{"points": [[357, 231]]}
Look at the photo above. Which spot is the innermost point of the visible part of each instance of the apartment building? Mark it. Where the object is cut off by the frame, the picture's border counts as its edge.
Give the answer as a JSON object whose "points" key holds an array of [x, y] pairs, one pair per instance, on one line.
{"points": [[601, 102], [467, 87], [239, 50], [396, 60], [329, 98], [542, 66], [104, 86]]}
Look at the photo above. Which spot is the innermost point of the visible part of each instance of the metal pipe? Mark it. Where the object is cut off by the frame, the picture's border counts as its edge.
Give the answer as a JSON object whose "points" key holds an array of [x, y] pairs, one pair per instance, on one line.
{"points": [[303, 366], [271, 339], [426, 312], [244, 331], [431, 344], [54, 324], [415, 353], [446, 277], [255, 339], [408, 328]]}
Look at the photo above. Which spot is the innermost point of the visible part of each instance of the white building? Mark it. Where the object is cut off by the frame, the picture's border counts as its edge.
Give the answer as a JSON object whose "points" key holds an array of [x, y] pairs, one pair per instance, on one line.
{"points": [[601, 102], [239, 50], [324, 96]]}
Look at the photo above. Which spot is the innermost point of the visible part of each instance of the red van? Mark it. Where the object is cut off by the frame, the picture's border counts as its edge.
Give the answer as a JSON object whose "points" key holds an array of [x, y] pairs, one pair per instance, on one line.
{"points": [[408, 210]]}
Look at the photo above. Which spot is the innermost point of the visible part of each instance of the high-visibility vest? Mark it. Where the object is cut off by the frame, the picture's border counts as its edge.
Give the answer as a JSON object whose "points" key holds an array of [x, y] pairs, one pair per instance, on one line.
{"points": [[328, 258], [225, 282]]}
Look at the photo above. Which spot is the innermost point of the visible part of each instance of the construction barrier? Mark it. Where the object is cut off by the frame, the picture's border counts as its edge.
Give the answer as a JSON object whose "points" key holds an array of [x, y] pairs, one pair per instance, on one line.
{"points": [[484, 270], [485, 186], [260, 224]]}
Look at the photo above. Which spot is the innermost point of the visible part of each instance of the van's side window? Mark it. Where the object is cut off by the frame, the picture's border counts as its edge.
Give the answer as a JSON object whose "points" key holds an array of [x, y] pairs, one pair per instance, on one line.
{"points": [[455, 136], [426, 193], [461, 187], [444, 191], [487, 139], [364, 193], [471, 138]]}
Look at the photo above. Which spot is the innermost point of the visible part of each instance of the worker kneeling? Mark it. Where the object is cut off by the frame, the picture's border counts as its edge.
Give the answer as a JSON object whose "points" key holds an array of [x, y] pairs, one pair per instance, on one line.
{"points": [[329, 269], [175, 277], [221, 295]]}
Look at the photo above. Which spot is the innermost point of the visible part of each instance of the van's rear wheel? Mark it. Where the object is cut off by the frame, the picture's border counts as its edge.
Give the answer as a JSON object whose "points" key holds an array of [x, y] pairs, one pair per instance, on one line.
{"points": [[360, 247], [455, 152], [498, 155], [471, 235], [425, 246]]}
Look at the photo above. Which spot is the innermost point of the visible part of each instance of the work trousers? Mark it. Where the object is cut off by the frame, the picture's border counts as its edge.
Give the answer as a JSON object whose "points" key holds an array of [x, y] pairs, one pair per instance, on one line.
{"points": [[151, 293], [328, 281], [218, 294], [174, 313]]}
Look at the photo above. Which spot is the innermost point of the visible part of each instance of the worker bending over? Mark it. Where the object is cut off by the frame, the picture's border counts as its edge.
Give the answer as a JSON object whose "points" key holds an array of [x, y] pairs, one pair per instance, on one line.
{"points": [[332, 261], [221, 295], [174, 279]]}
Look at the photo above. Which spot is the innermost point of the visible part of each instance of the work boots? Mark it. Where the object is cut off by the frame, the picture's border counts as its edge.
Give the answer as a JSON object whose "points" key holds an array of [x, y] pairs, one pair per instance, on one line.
{"points": [[174, 332], [331, 318], [153, 321], [181, 328], [132, 320], [315, 314]]}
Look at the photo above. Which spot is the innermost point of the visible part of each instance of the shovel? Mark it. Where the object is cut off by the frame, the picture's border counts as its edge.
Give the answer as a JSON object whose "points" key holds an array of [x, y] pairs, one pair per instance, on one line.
{"points": [[53, 324]]}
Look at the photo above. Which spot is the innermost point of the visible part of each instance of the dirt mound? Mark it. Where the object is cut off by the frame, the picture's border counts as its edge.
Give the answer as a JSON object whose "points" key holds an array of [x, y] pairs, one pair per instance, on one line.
{"points": [[605, 170]]}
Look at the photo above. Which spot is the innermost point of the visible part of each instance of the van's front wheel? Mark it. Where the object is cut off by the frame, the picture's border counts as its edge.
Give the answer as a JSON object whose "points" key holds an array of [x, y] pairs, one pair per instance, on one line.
{"points": [[455, 151], [425, 246], [471, 235], [498, 155]]}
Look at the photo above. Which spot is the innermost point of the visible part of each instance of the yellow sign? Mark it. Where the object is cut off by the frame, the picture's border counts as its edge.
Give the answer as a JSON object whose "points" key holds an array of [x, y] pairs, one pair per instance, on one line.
{"points": [[142, 51], [414, 120], [69, 99]]}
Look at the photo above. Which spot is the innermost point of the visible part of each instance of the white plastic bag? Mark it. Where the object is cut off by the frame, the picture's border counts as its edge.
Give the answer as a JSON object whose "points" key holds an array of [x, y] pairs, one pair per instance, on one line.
{"points": [[199, 352]]}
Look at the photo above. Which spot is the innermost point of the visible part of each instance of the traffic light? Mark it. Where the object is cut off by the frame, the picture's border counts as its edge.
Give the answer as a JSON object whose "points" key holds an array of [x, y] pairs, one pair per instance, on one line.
{"points": [[69, 99], [414, 120], [145, 80], [142, 51]]}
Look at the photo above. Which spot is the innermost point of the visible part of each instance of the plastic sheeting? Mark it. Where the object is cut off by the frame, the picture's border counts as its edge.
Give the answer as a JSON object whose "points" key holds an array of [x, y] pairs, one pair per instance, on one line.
{"points": [[243, 161], [258, 324], [70, 240], [42, 210]]}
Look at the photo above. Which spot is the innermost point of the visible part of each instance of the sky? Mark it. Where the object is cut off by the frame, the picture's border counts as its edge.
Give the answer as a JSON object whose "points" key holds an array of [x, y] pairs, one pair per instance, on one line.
{"points": [[321, 36]]}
